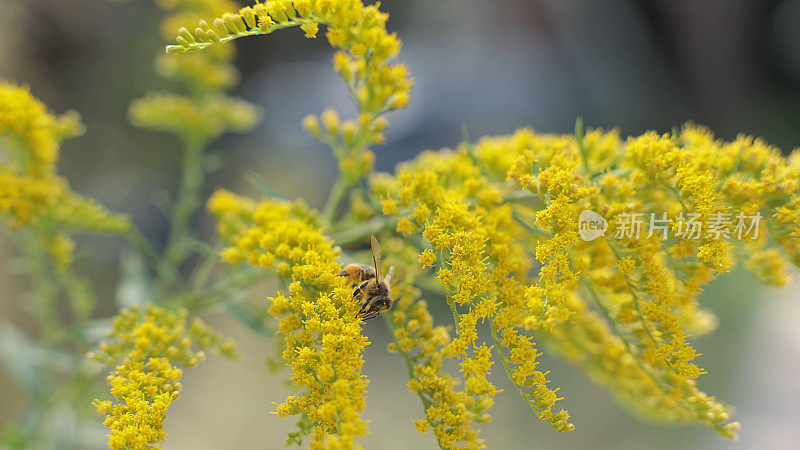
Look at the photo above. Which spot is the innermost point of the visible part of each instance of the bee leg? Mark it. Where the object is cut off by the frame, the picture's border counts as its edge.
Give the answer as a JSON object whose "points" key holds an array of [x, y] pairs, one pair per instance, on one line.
{"points": [[371, 315], [366, 306], [359, 288], [344, 274]]}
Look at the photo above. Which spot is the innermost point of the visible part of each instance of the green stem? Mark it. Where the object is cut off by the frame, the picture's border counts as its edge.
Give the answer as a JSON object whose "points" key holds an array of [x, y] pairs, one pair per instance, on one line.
{"points": [[454, 310], [361, 232], [579, 135], [240, 279], [203, 272], [628, 347], [521, 196], [637, 305], [188, 200], [507, 366], [46, 291], [197, 46], [337, 194], [530, 228], [164, 270], [78, 290]]}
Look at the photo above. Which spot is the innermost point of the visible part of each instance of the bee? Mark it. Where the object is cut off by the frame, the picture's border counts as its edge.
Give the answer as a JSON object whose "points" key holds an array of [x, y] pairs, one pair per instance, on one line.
{"points": [[370, 289]]}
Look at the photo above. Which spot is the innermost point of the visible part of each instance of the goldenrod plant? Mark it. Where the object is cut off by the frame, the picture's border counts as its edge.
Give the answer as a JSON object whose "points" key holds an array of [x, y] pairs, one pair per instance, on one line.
{"points": [[589, 246], [43, 214]]}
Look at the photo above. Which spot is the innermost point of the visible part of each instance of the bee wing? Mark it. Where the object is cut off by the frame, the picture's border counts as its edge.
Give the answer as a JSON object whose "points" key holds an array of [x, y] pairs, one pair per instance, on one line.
{"points": [[396, 276], [376, 257], [389, 275]]}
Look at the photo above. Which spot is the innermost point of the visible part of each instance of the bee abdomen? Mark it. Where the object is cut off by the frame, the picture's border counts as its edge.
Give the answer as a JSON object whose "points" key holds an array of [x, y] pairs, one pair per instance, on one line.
{"points": [[358, 272]]}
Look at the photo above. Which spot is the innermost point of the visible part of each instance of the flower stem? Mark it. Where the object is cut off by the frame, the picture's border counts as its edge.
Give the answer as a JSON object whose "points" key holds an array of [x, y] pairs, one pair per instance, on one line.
{"points": [[188, 200], [337, 194], [361, 232], [508, 369], [163, 269], [579, 135], [629, 348]]}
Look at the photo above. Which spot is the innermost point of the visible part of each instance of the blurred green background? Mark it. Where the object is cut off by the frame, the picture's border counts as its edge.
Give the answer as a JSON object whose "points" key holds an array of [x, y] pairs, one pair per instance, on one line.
{"points": [[733, 65]]}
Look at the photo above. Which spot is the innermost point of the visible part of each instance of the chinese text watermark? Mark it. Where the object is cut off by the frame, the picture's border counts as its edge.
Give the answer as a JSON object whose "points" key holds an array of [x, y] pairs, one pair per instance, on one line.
{"points": [[592, 225]]}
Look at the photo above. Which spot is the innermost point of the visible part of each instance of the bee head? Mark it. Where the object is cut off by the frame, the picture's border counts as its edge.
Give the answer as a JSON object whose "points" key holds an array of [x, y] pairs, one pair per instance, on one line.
{"points": [[382, 303], [374, 307]]}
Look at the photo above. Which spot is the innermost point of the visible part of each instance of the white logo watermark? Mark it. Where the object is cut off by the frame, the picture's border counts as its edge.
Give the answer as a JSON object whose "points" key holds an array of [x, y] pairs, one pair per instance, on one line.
{"points": [[592, 225]]}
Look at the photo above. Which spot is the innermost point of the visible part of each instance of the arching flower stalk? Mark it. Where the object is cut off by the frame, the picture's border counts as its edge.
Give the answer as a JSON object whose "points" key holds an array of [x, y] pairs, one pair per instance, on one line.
{"points": [[364, 60]]}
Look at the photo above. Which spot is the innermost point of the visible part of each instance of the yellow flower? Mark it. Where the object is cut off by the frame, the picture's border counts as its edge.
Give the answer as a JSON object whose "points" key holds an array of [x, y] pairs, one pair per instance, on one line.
{"points": [[474, 232], [29, 133], [202, 120], [317, 316], [26, 198], [423, 426], [356, 29], [769, 267], [427, 258], [30, 189], [146, 351], [30, 138], [645, 286], [311, 29], [497, 222], [364, 59], [626, 265]]}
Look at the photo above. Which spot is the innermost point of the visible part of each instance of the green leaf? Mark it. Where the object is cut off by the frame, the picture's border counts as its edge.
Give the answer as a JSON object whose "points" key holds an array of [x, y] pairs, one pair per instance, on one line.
{"points": [[27, 362]]}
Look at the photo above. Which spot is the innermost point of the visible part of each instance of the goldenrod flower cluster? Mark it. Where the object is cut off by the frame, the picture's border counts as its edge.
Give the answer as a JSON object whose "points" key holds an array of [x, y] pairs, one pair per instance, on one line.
{"points": [[31, 191], [184, 117], [323, 340], [482, 209], [364, 61], [208, 72], [493, 230], [198, 117], [358, 30], [317, 313], [497, 226], [449, 412], [447, 199], [349, 140], [208, 112], [31, 135], [148, 350]]}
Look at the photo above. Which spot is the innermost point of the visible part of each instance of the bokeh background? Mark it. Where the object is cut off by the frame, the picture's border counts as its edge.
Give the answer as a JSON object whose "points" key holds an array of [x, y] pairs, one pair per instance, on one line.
{"points": [[733, 65]]}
